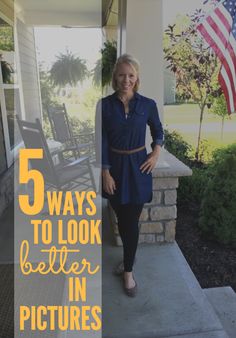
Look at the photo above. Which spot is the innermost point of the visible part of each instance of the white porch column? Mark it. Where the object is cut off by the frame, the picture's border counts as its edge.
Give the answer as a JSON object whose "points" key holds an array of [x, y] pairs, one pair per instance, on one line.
{"points": [[143, 39]]}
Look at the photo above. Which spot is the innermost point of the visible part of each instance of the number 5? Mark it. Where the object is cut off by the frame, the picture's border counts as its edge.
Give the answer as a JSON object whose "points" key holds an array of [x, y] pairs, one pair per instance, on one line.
{"points": [[25, 175]]}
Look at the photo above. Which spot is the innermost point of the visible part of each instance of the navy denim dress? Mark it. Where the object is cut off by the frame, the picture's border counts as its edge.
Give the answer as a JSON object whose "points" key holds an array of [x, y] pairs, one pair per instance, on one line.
{"points": [[127, 133]]}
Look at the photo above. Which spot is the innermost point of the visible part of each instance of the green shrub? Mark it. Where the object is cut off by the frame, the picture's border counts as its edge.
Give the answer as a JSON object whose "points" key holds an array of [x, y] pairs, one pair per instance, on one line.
{"points": [[191, 188], [218, 211], [206, 150], [80, 127], [77, 126], [177, 146]]}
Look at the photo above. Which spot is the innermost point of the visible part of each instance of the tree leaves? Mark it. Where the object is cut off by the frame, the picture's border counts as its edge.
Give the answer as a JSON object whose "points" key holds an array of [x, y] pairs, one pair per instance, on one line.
{"points": [[6, 38], [194, 64]]}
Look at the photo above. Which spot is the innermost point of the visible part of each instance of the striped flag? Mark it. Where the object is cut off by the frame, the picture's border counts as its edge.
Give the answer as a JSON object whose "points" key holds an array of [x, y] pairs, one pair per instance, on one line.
{"points": [[219, 30]]}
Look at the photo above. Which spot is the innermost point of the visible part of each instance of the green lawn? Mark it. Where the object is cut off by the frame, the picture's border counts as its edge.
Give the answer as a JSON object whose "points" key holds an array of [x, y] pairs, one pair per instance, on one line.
{"points": [[184, 118]]}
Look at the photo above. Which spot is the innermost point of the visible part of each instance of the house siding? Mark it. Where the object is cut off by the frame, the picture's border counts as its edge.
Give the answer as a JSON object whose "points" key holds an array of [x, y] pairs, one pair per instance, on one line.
{"points": [[31, 97], [29, 74]]}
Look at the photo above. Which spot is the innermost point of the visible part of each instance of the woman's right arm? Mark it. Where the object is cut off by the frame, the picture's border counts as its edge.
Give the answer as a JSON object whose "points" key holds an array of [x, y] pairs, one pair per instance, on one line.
{"points": [[108, 182]]}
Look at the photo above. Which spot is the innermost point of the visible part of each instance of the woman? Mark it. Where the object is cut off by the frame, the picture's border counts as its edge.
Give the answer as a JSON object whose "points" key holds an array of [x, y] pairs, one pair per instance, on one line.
{"points": [[126, 167]]}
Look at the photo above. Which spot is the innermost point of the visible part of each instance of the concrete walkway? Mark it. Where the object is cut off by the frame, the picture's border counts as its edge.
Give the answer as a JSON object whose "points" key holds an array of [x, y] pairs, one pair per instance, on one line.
{"points": [[170, 302]]}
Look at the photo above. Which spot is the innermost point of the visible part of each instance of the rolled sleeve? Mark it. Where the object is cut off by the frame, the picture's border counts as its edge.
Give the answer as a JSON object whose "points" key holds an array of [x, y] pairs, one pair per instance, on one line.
{"points": [[155, 126]]}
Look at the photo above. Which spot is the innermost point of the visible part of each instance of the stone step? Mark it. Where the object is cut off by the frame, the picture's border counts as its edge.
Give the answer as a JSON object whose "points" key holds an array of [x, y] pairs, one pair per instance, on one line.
{"points": [[223, 300], [170, 301]]}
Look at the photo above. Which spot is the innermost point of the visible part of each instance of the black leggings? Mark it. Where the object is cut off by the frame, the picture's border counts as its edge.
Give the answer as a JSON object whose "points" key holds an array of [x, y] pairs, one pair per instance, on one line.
{"points": [[128, 219]]}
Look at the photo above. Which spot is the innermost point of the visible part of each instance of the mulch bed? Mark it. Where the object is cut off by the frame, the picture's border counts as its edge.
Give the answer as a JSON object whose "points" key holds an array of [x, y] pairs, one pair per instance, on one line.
{"points": [[214, 264]]}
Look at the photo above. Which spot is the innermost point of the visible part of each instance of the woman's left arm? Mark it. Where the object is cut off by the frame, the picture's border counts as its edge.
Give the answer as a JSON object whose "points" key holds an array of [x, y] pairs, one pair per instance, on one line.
{"points": [[151, 160], [157, 137]]}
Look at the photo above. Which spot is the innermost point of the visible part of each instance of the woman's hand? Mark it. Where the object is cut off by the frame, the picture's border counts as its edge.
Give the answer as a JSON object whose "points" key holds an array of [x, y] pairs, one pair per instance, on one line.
{"points": [[151, 160], [108, 182]]}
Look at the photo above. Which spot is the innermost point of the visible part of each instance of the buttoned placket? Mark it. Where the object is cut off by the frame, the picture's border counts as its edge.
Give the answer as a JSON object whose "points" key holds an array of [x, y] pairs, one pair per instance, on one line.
{"points": [[125, 115]]}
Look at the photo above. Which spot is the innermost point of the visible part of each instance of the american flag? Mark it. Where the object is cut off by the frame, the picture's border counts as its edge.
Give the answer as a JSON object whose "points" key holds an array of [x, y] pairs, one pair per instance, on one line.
{"points": [[219, 30]]}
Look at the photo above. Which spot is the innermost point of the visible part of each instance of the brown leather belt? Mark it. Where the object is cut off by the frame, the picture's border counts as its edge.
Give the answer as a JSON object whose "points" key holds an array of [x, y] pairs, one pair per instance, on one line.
{"points": [[127, 152]]}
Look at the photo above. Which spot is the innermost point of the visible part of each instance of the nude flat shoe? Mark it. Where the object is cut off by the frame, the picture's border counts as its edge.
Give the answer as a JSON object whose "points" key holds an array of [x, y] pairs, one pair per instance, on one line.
{"points": [[131, 292]]}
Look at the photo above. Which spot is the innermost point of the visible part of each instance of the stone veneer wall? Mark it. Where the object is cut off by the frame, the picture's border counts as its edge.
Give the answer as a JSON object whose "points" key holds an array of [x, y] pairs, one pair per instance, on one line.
{"points": [[158, 218]]}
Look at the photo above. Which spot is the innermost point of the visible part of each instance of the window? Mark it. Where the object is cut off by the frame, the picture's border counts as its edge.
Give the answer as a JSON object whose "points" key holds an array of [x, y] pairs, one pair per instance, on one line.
{"points": [[11, 100]]}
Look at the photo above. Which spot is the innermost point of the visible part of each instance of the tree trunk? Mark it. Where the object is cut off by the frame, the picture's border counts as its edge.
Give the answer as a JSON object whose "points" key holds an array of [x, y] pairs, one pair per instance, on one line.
{"points": [[222, 128], [199, 133]]}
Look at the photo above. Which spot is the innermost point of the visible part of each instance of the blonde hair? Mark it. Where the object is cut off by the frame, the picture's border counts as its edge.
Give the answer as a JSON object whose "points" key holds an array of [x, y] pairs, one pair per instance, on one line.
{"points": [[130, 60]]}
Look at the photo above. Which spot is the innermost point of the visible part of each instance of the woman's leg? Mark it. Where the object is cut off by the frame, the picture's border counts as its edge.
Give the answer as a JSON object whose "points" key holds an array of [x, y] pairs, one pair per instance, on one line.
{"points": [[128, 221], [128, 225]]}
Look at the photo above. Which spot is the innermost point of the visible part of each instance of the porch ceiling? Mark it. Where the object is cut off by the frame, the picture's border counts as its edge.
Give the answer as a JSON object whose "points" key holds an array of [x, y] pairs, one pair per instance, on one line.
{"points": [[79, 13]]}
